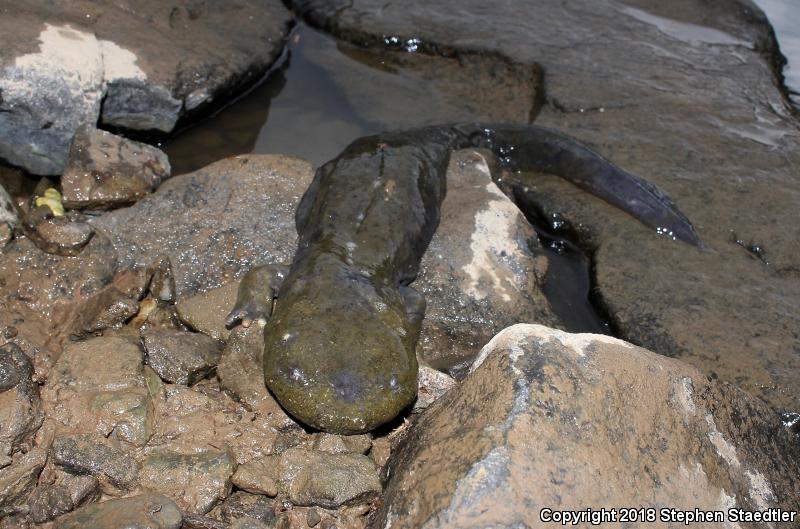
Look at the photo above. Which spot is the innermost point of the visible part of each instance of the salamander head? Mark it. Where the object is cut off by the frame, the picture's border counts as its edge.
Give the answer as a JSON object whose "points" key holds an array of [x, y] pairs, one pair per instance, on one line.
{"points": [[340, 365]]}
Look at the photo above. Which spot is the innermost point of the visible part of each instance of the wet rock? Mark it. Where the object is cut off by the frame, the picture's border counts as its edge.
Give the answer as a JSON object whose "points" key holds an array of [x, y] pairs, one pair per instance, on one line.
{"points": [[197, 521], [106, 363], [95, 456], [18, 480], [105, 171], [240, 369], [162, 285], [432, 385], [148, 511], [133, 282], [49, 502], [240, 372], [181, 357], [313, 478], [47, 298], [313, 518], [205, 312], [204, 418], [20, 405], [255, 195], [196, 482], [128, 65], [548, 418], [248, 523], [257, 477], [60, 235], [483, 269], [639, 98], [137, 105], [8, 217], [110, 309], [82, 489], [241, 504], [17, 521], [341, 444], [98, 386]]}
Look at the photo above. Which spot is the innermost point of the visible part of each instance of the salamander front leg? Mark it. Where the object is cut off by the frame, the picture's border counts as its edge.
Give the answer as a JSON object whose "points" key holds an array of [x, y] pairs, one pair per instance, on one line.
{"points": [[257, 293]]}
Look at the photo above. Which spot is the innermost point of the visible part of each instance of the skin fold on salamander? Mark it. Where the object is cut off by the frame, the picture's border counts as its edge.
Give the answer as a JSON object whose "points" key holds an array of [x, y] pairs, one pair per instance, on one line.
{"points": [[340, 342]]}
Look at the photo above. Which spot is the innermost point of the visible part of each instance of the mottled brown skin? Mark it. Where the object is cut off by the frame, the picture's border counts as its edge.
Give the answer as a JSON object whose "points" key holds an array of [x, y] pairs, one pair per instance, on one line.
{"points": [[340, 342]]}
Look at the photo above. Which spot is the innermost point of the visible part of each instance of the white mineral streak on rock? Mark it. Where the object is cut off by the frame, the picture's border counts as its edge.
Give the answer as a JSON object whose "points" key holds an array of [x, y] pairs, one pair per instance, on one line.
{"points": [[684, 389], [760, 489], [119, 63], [73, 64], [493, 224], [724, 449]]}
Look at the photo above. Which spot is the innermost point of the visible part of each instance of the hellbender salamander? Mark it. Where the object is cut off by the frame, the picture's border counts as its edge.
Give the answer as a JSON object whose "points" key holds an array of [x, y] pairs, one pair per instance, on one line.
{"points": [[340, 343]]}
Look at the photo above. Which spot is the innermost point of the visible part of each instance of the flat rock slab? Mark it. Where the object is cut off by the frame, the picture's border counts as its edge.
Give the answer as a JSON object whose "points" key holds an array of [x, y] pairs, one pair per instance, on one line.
{"points": [[214, 223], [684, 95], [568, 421], [130, 65]]}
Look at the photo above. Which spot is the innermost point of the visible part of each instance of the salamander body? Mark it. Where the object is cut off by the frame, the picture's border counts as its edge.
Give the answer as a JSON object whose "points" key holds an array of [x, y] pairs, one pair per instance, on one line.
{"points": [[340, 343]]}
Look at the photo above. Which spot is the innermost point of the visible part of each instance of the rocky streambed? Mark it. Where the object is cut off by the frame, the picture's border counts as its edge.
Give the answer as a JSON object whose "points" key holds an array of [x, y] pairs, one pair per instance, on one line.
{"points": [[125, 402]]}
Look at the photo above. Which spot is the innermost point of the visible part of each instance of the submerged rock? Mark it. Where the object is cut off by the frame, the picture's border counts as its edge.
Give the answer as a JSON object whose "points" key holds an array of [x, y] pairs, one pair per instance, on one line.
{"points": [[566, 421], [181, 357], [105, 171], [130, 65], [483, 270], [148, 511]]}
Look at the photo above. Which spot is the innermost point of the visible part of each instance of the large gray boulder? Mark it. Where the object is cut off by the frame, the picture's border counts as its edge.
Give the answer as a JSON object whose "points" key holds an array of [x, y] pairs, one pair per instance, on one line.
{"points": [[132, 65], [552, 420]]}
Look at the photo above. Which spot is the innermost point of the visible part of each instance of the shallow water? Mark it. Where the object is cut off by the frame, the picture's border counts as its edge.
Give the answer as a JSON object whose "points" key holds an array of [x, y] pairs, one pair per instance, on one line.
{"points": [[325, 94], [784, 15]]}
